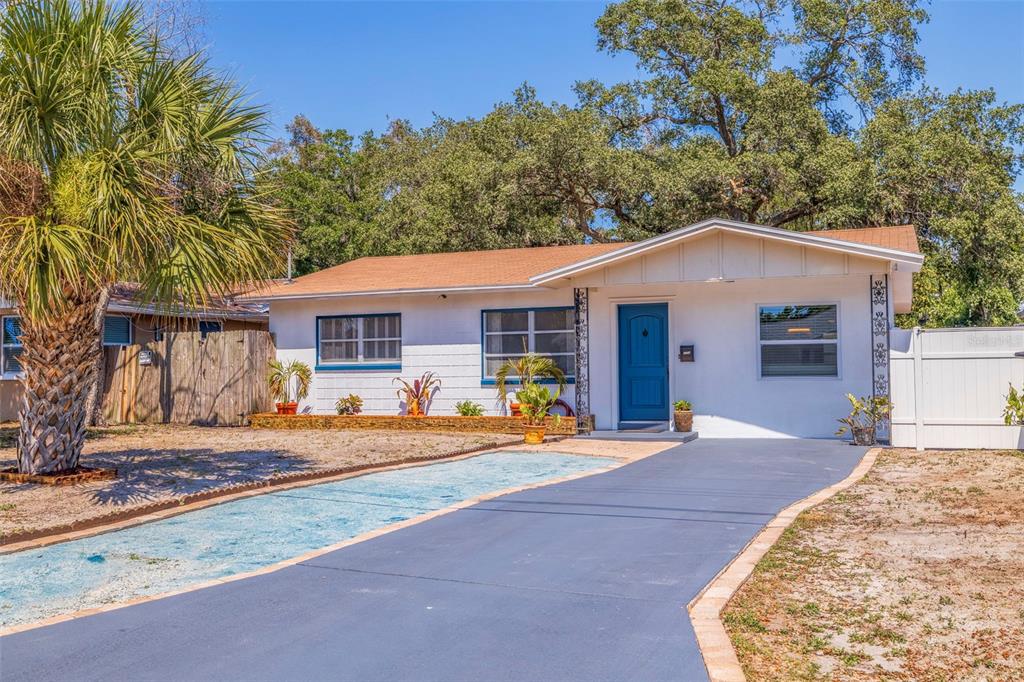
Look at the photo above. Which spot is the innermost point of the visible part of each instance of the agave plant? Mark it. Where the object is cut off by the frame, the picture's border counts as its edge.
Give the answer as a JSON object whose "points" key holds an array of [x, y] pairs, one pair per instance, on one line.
{"points": [[418, 393], [283, 376], [528, 369]]}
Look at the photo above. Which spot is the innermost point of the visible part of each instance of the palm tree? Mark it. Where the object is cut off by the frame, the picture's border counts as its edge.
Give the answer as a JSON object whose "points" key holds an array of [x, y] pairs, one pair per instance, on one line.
{"points": [[118, 162], [528, 368]]}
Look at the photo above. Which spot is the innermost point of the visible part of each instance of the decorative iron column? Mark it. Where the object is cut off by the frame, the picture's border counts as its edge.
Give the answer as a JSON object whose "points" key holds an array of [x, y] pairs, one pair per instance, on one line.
{"points": [[880, 343], [581, 299]]}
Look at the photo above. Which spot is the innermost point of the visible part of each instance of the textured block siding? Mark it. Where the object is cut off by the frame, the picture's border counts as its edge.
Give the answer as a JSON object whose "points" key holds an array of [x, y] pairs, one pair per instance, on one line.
{"points": [[441, 335]]}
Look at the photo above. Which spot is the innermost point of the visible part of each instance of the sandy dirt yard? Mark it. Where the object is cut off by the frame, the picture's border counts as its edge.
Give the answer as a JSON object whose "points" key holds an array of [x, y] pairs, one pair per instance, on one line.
{"points": [[914, 573], [157, 463]]}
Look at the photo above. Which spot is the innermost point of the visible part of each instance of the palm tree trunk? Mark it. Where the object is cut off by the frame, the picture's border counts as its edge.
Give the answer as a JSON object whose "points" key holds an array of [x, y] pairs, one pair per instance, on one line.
{"points": [[58, 361]]}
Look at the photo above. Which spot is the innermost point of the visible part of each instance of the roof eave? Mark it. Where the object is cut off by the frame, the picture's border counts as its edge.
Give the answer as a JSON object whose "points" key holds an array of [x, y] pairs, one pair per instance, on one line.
{"points": [[393, 292]]}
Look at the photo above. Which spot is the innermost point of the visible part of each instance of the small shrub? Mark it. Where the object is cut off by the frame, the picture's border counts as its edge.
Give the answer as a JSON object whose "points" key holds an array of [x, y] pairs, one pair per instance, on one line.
{"points": [[683, 405], [1013, 415], [467, 408], [351, 404], [865, 416]]}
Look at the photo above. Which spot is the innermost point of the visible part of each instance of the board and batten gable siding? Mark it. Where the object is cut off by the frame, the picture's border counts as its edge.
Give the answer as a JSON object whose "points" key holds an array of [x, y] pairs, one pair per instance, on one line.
{"points": [[720, 319], [439, 334], [949, 387]]}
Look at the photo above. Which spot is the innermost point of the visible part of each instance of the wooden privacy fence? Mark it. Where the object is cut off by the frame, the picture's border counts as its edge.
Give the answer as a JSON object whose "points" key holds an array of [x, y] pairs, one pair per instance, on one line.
{"points": [[186, 379], [949, 386]]}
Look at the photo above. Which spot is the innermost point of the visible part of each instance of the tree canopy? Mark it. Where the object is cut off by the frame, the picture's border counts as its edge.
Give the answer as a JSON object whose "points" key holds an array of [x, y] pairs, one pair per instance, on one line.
{"points": [[802, 114]]}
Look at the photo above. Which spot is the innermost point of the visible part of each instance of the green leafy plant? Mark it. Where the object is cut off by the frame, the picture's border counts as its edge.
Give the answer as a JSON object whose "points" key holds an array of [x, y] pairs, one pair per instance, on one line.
{"points": [[535, 402], [865, 416], [468, 408], [283, 377], [350, 404], [418, 393], [683, 405], [528, 369], [1013, 414]]}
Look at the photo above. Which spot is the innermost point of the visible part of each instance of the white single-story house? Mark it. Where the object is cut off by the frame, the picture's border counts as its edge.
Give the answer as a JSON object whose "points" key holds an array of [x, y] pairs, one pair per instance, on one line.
{"points": [[764, 330]]}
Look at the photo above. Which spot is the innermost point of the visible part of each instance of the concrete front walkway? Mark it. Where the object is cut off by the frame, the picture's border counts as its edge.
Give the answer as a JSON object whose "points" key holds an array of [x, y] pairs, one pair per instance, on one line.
{"points": [[584, 580]]}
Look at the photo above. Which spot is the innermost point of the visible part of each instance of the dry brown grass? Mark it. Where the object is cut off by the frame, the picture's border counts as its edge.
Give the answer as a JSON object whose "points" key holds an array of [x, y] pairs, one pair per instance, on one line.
{"points": [[915, 573], [157, 463]]}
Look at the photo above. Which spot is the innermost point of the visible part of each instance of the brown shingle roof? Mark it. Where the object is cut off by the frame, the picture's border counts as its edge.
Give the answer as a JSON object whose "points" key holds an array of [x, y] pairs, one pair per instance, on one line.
{"points": [[898, 237], [499, 267]]}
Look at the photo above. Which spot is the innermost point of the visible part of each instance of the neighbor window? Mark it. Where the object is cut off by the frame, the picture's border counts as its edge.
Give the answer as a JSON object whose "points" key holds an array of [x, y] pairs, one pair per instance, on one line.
{"points": [[117, 330], [513, 333], [359, 340], [799, 340], [209, 327], [11, 347]]}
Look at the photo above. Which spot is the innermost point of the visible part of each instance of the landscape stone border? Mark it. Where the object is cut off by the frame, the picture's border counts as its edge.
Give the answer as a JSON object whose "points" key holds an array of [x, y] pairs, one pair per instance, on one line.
{"points": [[720, 659], [392, 422], [162, 509]]}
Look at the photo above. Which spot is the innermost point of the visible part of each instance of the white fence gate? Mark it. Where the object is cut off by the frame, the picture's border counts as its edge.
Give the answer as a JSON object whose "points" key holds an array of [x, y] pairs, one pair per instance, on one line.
{"points": [[949, 386]]}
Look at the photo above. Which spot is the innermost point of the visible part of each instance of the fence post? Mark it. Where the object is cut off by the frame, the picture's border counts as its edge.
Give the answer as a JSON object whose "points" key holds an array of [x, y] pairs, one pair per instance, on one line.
{"points": [[918, 390]]}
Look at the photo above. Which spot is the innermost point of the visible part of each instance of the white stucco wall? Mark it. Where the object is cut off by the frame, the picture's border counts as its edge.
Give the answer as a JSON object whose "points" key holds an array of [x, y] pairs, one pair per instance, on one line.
{"points": [[441, 335], [720, 320]]}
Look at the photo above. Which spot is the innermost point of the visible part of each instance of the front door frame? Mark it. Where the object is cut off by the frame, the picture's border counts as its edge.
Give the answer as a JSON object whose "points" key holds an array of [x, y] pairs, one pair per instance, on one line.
{"points": [[616, 303]]}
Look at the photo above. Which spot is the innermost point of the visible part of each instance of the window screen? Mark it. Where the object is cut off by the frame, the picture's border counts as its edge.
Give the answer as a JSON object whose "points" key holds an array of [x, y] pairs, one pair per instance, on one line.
{"points": [[353, 339]]}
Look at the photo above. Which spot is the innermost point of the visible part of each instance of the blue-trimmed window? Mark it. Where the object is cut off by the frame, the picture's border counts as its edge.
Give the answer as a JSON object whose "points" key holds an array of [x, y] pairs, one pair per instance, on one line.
{"points": [[512, 333], [11, 346], [359, 341], [117, 330], [209, 327]]}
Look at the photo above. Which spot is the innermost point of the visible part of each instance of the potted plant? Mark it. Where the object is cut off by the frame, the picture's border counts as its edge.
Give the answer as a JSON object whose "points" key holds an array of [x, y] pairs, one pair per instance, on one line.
{"points": [[281, 379], [534, 402], [417, 395], [527, 369], [351, 404], [865, 416], [468, 408], [683, 415]]}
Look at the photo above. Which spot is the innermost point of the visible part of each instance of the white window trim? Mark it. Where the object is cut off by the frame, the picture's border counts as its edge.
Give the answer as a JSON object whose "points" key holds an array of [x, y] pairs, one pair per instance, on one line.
{"points": [[530, 338], [839, 346], [360, 341]]}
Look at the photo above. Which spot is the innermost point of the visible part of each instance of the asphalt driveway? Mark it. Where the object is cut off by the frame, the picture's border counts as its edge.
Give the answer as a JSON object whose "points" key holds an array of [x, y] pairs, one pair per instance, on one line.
{"points": [[584, 580]]}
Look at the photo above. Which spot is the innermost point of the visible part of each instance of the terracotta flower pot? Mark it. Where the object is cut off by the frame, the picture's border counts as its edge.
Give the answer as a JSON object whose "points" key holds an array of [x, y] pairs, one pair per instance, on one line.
{"points": [[533, 435], [287, 408], [684, 420]]}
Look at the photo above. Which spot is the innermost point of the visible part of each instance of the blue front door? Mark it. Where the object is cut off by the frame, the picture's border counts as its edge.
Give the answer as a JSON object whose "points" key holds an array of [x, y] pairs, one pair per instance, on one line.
{"points": [[643, 362]]}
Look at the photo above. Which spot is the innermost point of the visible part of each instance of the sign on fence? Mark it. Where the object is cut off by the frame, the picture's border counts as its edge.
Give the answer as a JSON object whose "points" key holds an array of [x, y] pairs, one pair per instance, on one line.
{"points": [[187, 379], [949, 387]]}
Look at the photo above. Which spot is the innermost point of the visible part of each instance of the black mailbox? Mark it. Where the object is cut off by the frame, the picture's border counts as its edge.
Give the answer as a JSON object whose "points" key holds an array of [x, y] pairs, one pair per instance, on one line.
{"points": [[685, 353]]}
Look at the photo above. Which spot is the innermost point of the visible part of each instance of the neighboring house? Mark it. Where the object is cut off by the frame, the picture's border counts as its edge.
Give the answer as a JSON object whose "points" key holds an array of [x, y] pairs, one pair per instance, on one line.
{"points": [[782, 324], [128, 321]]}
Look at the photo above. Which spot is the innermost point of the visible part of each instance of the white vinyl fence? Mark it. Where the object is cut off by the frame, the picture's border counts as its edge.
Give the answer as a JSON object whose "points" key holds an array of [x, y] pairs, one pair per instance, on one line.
{"points": [[949, 386]]}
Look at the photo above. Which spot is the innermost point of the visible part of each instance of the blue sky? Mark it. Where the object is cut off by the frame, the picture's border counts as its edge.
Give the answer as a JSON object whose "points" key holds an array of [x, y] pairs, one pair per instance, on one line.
{"points": [[358, 65]]}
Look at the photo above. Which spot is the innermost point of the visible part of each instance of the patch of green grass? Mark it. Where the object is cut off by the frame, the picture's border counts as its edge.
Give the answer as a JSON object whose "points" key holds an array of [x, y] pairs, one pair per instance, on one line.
{"points": [[7, 506], [746, 620]]}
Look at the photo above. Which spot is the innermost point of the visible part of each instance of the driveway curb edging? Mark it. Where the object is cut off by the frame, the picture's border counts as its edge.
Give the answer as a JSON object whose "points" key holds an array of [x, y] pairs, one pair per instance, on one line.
{"points": [[706, 608]]}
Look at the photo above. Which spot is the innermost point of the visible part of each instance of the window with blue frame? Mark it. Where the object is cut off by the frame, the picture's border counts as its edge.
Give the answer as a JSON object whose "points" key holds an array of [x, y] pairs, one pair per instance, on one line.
{"points": [[209, 327], [515, 332], [117, 330], [11, 346], [359, 341]]}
